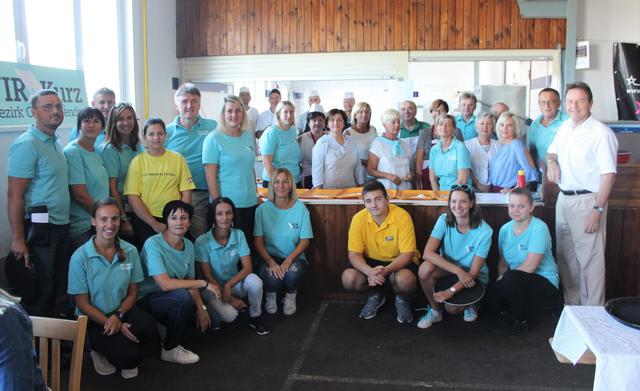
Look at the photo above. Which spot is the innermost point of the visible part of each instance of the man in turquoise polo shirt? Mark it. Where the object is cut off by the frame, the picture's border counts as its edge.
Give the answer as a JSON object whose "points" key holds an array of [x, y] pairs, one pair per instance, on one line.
{"points": [[186, 135], [543, 130], [104, 99], [38, 177], [466, 121]]}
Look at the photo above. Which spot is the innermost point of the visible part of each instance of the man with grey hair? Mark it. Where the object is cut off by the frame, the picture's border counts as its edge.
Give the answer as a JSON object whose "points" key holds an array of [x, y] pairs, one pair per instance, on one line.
{"points": [[104, 99], [38, 203], [466, 120], [498, 108], [301, 123], [186, 135]]}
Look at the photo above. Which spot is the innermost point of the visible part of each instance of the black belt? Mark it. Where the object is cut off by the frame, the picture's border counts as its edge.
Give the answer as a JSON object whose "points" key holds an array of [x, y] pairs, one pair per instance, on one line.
{"points": [[575, 192]]}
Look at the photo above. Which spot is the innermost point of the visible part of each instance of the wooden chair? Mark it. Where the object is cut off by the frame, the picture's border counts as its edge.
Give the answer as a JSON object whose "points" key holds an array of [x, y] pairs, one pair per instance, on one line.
{"points": [[57, 330]]}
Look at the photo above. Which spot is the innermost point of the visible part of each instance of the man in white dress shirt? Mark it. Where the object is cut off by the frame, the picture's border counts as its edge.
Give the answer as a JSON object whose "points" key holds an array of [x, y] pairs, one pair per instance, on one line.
{"points": [[582, 160], [267, 117]]}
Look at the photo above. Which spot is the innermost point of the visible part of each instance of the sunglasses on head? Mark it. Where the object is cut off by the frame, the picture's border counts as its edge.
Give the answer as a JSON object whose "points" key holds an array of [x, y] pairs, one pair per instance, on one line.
{"points": [[464, 187]]}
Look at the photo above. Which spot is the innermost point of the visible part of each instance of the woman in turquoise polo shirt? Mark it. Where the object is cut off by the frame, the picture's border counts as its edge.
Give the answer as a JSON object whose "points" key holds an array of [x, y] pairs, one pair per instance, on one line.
{"points": [[121, 145], [88, 178], [170, 291], [103, 279], [449, 160], [279, 145], [528, 280], [229, 162], [282, 234], [224, 260], [459, 244]]}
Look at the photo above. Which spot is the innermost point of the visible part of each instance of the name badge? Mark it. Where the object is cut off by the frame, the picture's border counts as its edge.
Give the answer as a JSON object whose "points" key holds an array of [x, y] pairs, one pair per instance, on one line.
{"points": [[388, 239], [40, 217], [233, 252], [470, 249], [203, 132], [126, 266], [294, 225], [452, 157], [522, 247], [250, 148]]}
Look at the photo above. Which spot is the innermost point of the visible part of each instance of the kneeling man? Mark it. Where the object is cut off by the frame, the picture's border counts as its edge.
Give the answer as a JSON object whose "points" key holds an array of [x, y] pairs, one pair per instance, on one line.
{"points": [[382, 253]]}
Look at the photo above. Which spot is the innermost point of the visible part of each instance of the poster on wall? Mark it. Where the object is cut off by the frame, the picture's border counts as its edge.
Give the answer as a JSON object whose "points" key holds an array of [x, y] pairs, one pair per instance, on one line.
{"points": [[19, 81], [626, 80]]}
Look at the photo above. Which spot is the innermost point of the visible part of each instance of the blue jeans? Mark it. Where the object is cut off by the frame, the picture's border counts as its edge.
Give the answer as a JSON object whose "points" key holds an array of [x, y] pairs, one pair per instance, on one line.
{"points": [[292, 278], [18, 367], [52, 267], [174, 309]]}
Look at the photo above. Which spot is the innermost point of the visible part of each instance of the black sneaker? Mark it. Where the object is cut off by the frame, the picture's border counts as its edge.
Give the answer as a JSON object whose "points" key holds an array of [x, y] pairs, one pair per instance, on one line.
{"points": [[257, 324], [512, 326]]}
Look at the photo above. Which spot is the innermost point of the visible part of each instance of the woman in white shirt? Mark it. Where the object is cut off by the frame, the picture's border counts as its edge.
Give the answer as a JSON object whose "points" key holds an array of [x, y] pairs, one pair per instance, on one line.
{"points": [[335, 157], [389, 156], [314, 130], [362, 134], [482, 149]]}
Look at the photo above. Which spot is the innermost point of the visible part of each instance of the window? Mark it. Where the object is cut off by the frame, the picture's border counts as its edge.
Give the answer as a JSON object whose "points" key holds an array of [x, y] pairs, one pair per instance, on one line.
{"points": [[51, 33], [7, 32]]}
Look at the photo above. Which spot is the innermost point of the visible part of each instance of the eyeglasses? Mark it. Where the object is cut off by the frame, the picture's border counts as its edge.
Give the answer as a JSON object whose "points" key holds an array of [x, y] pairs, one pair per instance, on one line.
{"points": [[464, 187], [50, 107]]}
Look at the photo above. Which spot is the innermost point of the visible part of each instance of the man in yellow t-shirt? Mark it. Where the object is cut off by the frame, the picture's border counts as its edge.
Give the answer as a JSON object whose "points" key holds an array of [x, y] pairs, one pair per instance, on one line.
{"points": [[382, 253]]}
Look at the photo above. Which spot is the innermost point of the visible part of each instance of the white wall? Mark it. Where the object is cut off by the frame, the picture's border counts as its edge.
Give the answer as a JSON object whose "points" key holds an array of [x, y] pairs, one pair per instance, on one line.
{"points": [[602, 23]]}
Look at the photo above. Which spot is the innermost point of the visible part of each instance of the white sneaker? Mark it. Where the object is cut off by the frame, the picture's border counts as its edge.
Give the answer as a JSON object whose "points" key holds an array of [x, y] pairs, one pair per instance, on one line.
{"points": [[179, 355], [129, 373], [270, 304], [289, 306], [101, 364], [432, 316], [470, 313]]}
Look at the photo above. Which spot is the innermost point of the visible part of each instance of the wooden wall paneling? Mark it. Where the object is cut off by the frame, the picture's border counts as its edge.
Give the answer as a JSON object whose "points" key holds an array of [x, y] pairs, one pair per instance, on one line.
{"points": [[292, 14], [506, 23], [522, 33], [537, 34], [287, 23], [222, 27], [353, 28], [323, 26], [553, 32], [279, 26], [546, 34], [562, 31], [397, 24], [466, 24], [344, 43], [483, 13], [451, 25], [315, 26], [530, 33], [459, 24], [337, 25], [421, 25], [359, 23], [230, 26], [330, 17], [408, 24], [436, 24], [474, 34], [497, 24], [212, 29], [515, 17], [383, 23], [264, 19], [250, 24], [444, 23], [367, 25], [307, 27], [375, 25], [389, 27], [244, 26]]}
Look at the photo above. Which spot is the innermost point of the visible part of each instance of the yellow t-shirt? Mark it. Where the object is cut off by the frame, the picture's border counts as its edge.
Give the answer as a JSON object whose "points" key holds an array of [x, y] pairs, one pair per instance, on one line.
{"points": [[386, 241], [158, 179]]}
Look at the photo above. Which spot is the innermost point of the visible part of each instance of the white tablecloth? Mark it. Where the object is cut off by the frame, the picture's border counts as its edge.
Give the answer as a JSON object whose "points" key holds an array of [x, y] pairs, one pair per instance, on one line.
{"points": [[616, 346]]}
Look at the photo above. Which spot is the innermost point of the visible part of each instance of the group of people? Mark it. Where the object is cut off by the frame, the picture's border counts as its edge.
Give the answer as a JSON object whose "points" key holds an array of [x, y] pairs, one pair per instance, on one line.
{"points": [[136, 211]]}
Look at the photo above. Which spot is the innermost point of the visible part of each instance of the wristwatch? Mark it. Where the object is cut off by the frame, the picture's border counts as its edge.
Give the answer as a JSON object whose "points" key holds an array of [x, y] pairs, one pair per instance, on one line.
{"points": [[452, 289], [204, 308], [120, 315], [598, 209]]}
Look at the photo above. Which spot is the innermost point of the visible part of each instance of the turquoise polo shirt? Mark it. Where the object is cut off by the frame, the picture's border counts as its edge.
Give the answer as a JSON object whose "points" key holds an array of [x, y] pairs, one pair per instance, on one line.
{"points": [[282, 229], [35, 155], [75, 134], [117, 162], [283, 146], [235, 157], [415, 132], [222, 258], [460, 249], [85, 168], [158, 257], [447, 163], [468, 129], [541, 136], [106, 283], [535, 239], [189, 143]]}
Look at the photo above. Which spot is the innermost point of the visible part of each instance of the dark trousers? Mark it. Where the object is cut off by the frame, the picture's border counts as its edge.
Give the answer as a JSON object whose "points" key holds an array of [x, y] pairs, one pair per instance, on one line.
{"points": [[245, 220], [292, 278], [523, 295], [52, 267], [142, 230], [174, 309], [122, 352]]}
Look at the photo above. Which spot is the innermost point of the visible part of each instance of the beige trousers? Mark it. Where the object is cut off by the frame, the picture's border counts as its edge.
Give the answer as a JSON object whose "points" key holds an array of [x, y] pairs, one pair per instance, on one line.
{"points": [[580, 255]]}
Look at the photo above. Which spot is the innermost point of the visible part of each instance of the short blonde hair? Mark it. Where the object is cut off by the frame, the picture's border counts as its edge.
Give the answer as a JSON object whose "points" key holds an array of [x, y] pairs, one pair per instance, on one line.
{"points": [[520, 130], [389, 114], [233, 99], [445, 117], [293, 195], [356, 109], [282, 105]]}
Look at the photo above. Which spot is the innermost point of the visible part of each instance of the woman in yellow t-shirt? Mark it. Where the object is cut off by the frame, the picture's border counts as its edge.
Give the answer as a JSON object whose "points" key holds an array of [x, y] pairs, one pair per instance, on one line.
{"points": [[155, 177]]}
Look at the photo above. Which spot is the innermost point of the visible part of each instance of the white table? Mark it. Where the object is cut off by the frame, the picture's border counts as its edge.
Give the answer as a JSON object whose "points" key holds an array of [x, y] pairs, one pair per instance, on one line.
{"points": [[615, 346]]}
